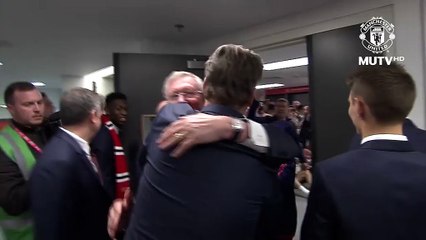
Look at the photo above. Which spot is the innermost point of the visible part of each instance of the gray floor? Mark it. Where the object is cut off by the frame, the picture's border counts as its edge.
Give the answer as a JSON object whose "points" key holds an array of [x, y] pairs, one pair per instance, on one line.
{"points": [[301, 204]]}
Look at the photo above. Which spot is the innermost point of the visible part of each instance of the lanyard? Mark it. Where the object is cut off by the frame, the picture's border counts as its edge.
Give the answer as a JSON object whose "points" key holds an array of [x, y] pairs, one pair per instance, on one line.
{"points": [[28, 140]]}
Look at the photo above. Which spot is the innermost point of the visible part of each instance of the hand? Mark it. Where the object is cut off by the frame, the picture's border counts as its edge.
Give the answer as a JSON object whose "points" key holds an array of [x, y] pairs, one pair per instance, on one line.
{"points": [[118, 212], [193, 130]]}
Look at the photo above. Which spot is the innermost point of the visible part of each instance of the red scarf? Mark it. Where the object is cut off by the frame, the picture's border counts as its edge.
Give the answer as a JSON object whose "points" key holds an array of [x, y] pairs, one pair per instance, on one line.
{"points": [[122, 181]]}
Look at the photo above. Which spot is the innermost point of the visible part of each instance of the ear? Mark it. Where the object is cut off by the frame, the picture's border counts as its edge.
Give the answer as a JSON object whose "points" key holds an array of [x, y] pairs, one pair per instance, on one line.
{"points": [[94, 116], [11, 108], [361, 107]]}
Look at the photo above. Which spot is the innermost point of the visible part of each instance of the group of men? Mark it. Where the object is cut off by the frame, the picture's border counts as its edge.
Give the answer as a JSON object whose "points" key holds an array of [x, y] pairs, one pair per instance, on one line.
{"points": [[55, 182], [211, 174]]}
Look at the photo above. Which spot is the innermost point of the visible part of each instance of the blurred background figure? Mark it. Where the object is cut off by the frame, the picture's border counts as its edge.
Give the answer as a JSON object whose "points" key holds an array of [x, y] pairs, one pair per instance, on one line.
{"points": [[49, 107], [303, 179]]}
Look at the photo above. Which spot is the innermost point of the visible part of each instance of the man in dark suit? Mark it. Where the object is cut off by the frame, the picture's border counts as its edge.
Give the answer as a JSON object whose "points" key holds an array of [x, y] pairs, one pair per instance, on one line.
{"points": [[215, 191], [67, 197], [415, 135], [376, 191]]}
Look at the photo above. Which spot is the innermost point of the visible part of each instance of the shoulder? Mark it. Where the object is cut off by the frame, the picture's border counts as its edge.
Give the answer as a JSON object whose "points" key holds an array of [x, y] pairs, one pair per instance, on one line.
{"points": [[281, 140], [61, 146], [341, 164], [172, 111], [102, 136]]}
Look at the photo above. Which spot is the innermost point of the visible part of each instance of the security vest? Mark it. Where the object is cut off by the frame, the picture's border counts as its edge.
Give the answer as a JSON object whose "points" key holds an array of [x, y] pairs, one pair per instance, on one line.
{"points": [[16, 227]]}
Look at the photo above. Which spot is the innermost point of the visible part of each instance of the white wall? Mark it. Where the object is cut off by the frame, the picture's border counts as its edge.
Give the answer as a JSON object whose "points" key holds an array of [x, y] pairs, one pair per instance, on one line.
{"points": [[103, 85], [4, 114], [407, 16], [106, 85], [409, 27]]}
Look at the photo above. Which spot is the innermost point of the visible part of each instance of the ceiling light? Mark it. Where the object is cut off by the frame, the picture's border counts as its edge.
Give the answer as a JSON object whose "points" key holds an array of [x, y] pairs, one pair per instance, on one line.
{"points": [[39, 84], [3, 106], [297, 62], [104, 72], [1, 64], [272, 85]]}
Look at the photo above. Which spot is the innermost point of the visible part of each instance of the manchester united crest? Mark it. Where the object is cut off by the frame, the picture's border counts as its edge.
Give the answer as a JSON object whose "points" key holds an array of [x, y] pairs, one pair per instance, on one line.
{"points": [[377, 35]]}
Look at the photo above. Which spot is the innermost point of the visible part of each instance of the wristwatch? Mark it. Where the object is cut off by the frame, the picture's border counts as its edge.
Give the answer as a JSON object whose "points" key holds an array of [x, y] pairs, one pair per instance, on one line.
{"points": [[237, 126]]}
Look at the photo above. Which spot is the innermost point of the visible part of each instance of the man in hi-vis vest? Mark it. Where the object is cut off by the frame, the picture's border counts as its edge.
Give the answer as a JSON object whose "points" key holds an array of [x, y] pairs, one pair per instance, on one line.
{"points": [[21, 142]]}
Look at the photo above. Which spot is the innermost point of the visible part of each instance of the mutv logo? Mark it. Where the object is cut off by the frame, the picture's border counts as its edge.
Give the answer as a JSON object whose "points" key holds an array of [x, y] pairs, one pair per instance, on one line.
{"points": [[379, 60]]}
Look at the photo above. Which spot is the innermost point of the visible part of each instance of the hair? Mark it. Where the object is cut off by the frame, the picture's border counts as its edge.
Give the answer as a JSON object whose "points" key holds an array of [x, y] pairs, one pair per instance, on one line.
{"points": [[16, 86], [231, 75], [114, 96], [388, 90], [282, 100], [77, 104], [270, 106], [176, 75], [300, 107]]}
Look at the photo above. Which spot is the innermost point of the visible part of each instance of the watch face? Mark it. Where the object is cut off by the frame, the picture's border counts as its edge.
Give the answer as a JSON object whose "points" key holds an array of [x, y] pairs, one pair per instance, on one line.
{"points": [[237, 124]]}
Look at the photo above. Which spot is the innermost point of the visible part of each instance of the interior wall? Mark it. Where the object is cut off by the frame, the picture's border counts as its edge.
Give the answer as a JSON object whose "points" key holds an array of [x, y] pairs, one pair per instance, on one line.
{"points": [[409, 30], [407, 16], [106, 85], [328, 68]]}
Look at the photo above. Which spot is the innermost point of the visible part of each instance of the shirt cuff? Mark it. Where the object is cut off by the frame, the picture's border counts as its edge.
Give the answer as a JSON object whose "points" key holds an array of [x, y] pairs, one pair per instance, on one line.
{"points": [[258, 139]]}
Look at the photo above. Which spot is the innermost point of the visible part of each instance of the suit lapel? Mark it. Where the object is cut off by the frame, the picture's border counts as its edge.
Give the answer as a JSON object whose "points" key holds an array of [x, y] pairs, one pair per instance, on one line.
{"points": [[86, 162]]}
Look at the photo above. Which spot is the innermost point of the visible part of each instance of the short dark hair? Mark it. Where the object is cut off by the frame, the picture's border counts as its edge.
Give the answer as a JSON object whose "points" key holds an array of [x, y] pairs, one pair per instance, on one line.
{"points": [[231, 75], [270, 107], [77, 104], [283, 100], [16, 86], [114, 96], [388, 90]]}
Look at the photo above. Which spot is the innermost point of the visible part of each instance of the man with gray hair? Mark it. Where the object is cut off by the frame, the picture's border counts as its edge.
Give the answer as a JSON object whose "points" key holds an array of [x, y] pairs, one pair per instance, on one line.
{"points": [[67, 197], [182, 86]]}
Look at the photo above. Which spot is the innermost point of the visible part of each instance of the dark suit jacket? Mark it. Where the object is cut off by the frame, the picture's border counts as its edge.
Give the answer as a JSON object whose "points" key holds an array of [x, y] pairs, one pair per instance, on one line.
{"points": [[67, 198], [287, 124], [215, 191], [415, 135], [375, 192], [103, 147]]}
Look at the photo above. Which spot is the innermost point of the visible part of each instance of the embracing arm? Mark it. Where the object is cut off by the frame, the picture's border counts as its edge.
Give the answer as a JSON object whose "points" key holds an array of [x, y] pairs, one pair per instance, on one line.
{"points": [[204, 128]]}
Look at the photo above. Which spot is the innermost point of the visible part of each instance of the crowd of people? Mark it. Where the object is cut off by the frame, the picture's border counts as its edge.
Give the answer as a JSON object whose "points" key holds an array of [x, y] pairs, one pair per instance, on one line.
{"points": [[216, 165]]}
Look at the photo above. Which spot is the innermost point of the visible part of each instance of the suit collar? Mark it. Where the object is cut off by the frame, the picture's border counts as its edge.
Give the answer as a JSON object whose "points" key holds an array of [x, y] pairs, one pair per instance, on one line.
{"points": [[217, 109], [69, 139], [408, 123], [84, 157], [80, 141], [388, 145], [395, 137]]}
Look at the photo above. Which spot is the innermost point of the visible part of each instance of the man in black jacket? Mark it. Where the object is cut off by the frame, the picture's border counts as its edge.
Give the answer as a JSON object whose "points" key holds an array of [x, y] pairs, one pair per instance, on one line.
{"points": [[20, 144]]}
